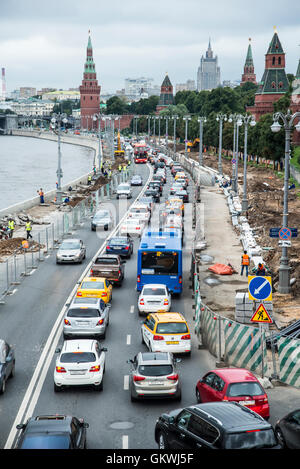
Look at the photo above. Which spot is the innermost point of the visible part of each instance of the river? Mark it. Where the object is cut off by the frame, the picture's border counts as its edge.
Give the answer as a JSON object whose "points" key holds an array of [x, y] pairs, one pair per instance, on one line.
{"points": [[27, 164]]}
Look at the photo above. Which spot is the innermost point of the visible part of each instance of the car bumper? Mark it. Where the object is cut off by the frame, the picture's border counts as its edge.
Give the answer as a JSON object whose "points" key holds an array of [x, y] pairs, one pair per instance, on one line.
{"points": [[69, 260], [153, 308], [86, 332], [119, 252], [157, 393], [89, 379], [185, 348]]}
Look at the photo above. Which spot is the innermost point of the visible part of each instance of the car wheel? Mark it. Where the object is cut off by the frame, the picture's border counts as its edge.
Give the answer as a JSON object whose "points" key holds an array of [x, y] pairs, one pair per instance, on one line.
{"points": [[198, 397], [178, 395], [143, 341], [133, 398], [162, 441], [12, 373], [57, 388], [103, 335], [280, 437], [99, 387], [2, 389]]}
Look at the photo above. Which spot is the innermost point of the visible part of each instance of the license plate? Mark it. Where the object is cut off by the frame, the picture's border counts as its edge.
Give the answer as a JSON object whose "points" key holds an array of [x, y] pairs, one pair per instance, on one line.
{"points": [[157, 383], [172, 343], [79, 372], [246, 402]]}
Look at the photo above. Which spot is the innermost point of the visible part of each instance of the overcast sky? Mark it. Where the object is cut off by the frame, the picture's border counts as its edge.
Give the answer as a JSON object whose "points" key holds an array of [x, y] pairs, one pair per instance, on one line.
{"points": [[43, 43]]}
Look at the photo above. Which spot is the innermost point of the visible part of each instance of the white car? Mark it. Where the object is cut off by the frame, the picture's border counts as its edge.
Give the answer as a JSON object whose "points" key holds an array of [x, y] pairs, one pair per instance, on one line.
{"points": [[140, 211], [80, 363], [124, 190], [154, 298], [132, 226]]}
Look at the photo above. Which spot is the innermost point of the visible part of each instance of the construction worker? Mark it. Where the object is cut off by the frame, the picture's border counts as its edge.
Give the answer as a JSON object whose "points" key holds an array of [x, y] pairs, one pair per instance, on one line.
{"points": [[89, 181], [28, 229], [120, 168], [261, 271], [41, 194], [245, 263], [11, 227]]}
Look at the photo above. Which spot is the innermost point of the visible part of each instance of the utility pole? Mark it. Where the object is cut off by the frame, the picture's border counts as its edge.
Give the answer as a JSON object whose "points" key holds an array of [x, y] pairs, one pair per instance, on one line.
{"points": [[56, 121], [221, 118], [201, 120], [186, 120]]}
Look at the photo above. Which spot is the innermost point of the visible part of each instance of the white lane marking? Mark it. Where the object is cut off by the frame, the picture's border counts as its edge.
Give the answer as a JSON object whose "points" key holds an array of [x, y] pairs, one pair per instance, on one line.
{"points": [[28, 404], [32, 272], [128, 339], [126, 382], [125, 442], [132, 309]]}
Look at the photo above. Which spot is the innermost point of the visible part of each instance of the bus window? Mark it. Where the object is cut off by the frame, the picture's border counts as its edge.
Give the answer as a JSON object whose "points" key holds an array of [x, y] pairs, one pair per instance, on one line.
{"points": [[159, 263]]}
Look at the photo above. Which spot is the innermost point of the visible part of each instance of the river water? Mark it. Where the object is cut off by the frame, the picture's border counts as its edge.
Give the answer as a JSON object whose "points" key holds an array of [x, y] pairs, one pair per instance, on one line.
{"points": [[26, 164]]}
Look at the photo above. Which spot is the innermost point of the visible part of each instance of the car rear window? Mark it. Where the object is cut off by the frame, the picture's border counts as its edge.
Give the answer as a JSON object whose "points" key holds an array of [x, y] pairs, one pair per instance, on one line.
{"points": [[91, 301], [118, 241], [83, 312], [252, 439], [171, 328], [155, 370], [245, 389], [46, 442], [154, 291], [77, 357], [92, 285], [108, 261]]}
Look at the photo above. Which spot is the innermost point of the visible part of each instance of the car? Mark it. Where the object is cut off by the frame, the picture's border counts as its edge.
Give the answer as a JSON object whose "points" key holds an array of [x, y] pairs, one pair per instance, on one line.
{"points": [[183, 181], [124, 190], [71, 251], [102, 219], [136, 180], [182, 194], [147, 201], [153, 193], [159, 179], [166, 332], [179, 175], [154, 375], [175, 187], [171, 222], [95, 287], [214, 425], [140, 211], [233, 384], [155, 185], [175, 202], [132, 227], [86, 319], [287, 430], [52, 432], [81, 362], [169, 210], [121, 245], [7, 364], [154, 298]]}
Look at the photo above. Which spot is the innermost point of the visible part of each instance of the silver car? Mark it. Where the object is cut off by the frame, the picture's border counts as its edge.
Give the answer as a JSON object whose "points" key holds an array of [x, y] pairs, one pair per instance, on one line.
{"points": [[154, 375], [71, 250], [86, 318], [124, 190], [102, 219]]}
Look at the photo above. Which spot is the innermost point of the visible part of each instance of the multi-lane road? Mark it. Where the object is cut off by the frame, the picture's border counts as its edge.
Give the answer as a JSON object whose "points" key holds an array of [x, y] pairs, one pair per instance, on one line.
{"points": [[31, 320]]}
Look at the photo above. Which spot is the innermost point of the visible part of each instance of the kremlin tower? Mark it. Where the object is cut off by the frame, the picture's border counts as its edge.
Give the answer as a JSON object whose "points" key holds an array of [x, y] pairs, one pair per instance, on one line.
{"points": [[166, 94], [89, 90], [249, 75]]}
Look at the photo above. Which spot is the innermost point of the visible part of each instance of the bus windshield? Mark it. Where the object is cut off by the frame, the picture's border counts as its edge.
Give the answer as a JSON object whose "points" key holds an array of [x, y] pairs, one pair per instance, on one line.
{"points": [[159, 263]]}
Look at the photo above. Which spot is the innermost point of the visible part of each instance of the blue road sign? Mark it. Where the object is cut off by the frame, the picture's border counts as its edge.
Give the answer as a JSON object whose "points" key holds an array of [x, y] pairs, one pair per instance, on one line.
{"points": [[275, 233], [285, 234], [260, 288]]}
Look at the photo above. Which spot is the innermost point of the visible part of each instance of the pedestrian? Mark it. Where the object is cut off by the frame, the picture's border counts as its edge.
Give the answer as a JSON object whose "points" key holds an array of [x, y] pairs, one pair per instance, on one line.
{"points": [[28, 229], [94, 169], [261, 271], [89, 181], [41, 194], [245, 263], [120, 168], [11, 227]]}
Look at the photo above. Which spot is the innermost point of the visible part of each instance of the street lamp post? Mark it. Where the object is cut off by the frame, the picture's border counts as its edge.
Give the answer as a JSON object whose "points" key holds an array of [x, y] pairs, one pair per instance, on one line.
{"points": [[148, 118], [186, 119], [247, 119], [58, 119], [100, 153], [201, 120], [284, 286], [167, 137], [221, 118], [158, 117], [175, 118], [236, 119], [154, 119]]}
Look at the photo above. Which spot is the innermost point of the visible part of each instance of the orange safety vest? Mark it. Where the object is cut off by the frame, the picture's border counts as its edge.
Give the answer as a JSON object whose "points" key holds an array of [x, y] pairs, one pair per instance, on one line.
{"points": [[245, 259]]}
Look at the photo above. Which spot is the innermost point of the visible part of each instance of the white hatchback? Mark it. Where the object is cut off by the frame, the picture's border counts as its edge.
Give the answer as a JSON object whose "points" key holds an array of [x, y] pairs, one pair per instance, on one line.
{"points": [[154, 298], [132, 226], [140, 211], [80, 363]]}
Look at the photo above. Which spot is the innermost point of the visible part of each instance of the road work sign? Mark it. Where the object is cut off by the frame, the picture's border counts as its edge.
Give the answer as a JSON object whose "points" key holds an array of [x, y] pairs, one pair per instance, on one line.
{"points": [[261, 315], [260, 288]]}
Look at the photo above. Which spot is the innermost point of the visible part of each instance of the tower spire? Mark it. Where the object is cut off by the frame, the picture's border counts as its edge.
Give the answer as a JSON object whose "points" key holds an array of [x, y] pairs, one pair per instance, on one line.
{"points": [[249, 74]]}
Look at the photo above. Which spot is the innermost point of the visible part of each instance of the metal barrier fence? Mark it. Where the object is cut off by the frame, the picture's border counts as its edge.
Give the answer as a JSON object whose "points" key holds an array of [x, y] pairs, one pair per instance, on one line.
{"points": [[289, 361], [24, 261]]}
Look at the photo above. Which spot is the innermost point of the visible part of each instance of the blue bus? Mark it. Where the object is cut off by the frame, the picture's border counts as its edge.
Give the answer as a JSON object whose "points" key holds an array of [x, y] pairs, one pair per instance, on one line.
{"points": [[160, 260]]}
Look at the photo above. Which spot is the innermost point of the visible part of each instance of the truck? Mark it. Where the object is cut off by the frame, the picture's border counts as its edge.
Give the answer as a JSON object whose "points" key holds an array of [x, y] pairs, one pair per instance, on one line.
{"points": [[109, 266]]}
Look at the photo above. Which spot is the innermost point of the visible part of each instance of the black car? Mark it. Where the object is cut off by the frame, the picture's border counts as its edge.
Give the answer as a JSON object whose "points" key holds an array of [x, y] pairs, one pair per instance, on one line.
{"points": [[159, 179], [214, 425], [153, 193], [52, 432], [7, 364], [287, 430], [121, 245], [182, 194], [155, 185]]}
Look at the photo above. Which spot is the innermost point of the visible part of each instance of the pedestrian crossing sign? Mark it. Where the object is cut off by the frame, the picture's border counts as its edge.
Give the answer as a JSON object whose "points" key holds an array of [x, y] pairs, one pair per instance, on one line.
{"points": [[261, 315]]}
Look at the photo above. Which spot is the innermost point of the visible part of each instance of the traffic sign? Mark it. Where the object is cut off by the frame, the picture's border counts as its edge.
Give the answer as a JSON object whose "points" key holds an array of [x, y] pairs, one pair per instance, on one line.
{"points": [[260, 288], [285, 244], [274, 232], [285, 234], [261, 315]]}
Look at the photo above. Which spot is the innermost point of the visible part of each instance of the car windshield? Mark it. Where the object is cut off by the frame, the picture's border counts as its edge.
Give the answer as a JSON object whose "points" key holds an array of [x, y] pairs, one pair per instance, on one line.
{"points": [[154, 291], [70, 245], [46, 441], [133, 222], [123, 187], [139, 210], [245, 389], [171, 328], [251, 439], [155, 370], [77, 357], [101, 215], [118, 241], [107, 261], [83, 313], [92, 286], [159, 263]]}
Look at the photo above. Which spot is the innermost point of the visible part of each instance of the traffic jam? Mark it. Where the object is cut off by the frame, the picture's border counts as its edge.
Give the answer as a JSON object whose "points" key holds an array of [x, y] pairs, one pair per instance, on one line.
{"points": [[230, 408]]}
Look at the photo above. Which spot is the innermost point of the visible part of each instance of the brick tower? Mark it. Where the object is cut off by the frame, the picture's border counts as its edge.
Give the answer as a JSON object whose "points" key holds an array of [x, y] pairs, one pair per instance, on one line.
{"points": [[249, 75], [166, 94], [274, 83], [89, 91]]}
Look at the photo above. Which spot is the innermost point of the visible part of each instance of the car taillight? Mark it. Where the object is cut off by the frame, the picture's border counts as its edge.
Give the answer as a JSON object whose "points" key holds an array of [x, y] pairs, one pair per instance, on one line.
{"points": [[92, 272], [166, 302], [251, 431], [186, 337], [67, 322], [100, 322], [119, 272], [142, 302], [158, 337], [60, 369], [95, 368], [138, 228], [138, 378], [138, 278], [104, 294], [173, 377], [107, 248], [180, 279], [265, 398], [127, 248], [79, 293]]}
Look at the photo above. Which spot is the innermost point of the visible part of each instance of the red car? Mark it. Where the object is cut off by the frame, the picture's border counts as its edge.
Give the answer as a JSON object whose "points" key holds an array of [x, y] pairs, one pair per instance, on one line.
{"points": [[234, 384]]}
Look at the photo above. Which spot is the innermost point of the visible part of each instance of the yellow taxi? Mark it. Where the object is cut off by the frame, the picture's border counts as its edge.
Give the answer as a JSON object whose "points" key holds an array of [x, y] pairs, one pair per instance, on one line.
{"points": [[95, 287], [175, 202], [180, 175], [166, 332]]}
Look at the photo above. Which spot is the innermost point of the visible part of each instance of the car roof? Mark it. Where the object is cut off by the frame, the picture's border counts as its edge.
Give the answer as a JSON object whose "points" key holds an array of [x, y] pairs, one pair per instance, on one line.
{"points": [[154, 358], [235, 375], [75, 345], [49, 423], [168, 317], [70, 240], [83, 304]]}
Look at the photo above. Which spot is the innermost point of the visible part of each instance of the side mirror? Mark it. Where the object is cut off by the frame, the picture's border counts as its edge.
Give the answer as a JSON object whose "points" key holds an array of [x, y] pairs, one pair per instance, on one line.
{"points": [[58, 350], [108, 305], [20, 426], [104, 349], [178, 360], [85, 425], [123, 262]]}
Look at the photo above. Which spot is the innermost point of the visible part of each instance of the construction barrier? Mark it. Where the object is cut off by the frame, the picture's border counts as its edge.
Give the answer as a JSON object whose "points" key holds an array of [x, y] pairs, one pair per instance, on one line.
{"points": [[289, 361]]}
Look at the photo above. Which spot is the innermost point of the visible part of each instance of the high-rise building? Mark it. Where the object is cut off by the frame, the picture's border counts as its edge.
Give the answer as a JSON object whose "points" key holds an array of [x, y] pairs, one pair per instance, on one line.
{"points": [[89, 90], [166, 94], [134, 87], [209, 73], [249, 75], [27, 92], [190, 85]]}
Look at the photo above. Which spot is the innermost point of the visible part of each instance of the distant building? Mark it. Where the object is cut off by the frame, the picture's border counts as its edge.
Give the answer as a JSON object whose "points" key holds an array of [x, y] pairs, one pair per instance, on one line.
{"points": [[249, 74], [134, 87], [209, 73], [61, 95], [27, 92], [33, 107], [166, 94], [190, 85]]}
